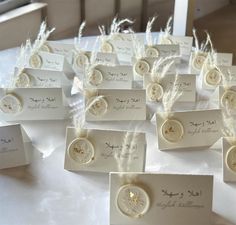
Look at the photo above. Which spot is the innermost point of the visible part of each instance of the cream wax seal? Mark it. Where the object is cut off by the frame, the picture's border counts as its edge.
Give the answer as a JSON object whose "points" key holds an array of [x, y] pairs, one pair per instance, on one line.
{"points": [[132, 201], [228, 99], [35, 61], [172, 130], [198, 61], [141, 67], [97, 106], [22, 80], [166, 41], [10, 104], [154, 92], [81, 151], [213, 77], [152, 52], [45, 48], [231, 159], [95, 77], [81, 59], [106, 47]]}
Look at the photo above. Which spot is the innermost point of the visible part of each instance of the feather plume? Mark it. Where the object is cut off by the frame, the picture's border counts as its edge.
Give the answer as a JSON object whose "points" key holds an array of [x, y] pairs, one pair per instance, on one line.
{"points": [[77, 40], [138, 47], [149, 38]]}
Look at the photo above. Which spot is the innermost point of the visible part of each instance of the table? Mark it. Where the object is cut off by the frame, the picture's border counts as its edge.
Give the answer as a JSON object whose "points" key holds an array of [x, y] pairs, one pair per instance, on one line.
{"points": [[44, 193]]}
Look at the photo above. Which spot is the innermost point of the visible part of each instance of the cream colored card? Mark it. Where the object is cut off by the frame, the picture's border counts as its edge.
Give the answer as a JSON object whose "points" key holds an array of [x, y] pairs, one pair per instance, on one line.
{"points": [[143, 66], [60, 48], [110, 77], [225, 98], [45, 78], [224, 59], [32, 104], [122, 45], [164, 51], [116, 105], [14, 147], [160, 199], [188, 129], [110, 151], [185, 43], [229, 159], [50, 61], [186, 85]]}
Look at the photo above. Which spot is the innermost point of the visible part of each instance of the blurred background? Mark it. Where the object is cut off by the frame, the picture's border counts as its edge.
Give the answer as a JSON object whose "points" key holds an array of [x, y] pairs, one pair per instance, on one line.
{"points": [[20, 19]]}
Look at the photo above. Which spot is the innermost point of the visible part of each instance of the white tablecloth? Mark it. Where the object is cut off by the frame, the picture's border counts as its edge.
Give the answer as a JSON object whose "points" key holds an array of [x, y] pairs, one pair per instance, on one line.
{"points": [[44, 193]]}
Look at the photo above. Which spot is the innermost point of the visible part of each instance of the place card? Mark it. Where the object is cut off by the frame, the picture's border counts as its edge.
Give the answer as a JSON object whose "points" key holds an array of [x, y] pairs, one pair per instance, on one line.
{"points": [[162, 51], [122, 45], [229, 159], [15, 146], [143, 66], [188, 129], [59, 48], [49, 61], [32, 104], [30, 77], [109, 77], [105, 151], [224, 59], [225, 98], [211, 78], [185, 43], [185, 84], [160, 199], [116, 105]]}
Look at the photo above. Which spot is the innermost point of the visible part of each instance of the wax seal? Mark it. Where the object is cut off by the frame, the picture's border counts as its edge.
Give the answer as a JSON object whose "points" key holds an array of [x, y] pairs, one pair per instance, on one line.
{"points": [[22, 80], [231, 159], [10, 104], [97, 106], [154, 92], [81, 151], [132, 201], [81, 59], [228, 99], [213, 77], [152, 52], [95, 77], [172, 130], [35, 61], [106, 47], [141, 67]]}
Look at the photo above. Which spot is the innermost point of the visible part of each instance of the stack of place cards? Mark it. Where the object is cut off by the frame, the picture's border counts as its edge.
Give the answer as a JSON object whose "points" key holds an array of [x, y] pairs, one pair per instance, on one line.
{"points": [[229, 159], [32, 104], [143, 198], [15, 146], [189, 129], [105, 151]]}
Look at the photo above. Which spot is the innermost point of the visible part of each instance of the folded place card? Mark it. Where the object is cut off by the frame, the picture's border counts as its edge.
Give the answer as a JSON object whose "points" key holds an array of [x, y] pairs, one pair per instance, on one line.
{"points": [[185, 84], [143, 66], [122, 45], [162, 51], [30, 77], [115, 105], [59, 48], [105, 151], [49, 61], [14, 146], [185, 43], [82, 58], [160, 199], [213, 77], [188, 129], [229, 159], [109, 77], [224, 59], [32, 104], [225, 98]]}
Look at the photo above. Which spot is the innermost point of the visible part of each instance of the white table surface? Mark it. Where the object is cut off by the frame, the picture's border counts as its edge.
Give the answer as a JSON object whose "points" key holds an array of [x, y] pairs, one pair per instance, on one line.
{"points": [[44, 193]]}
